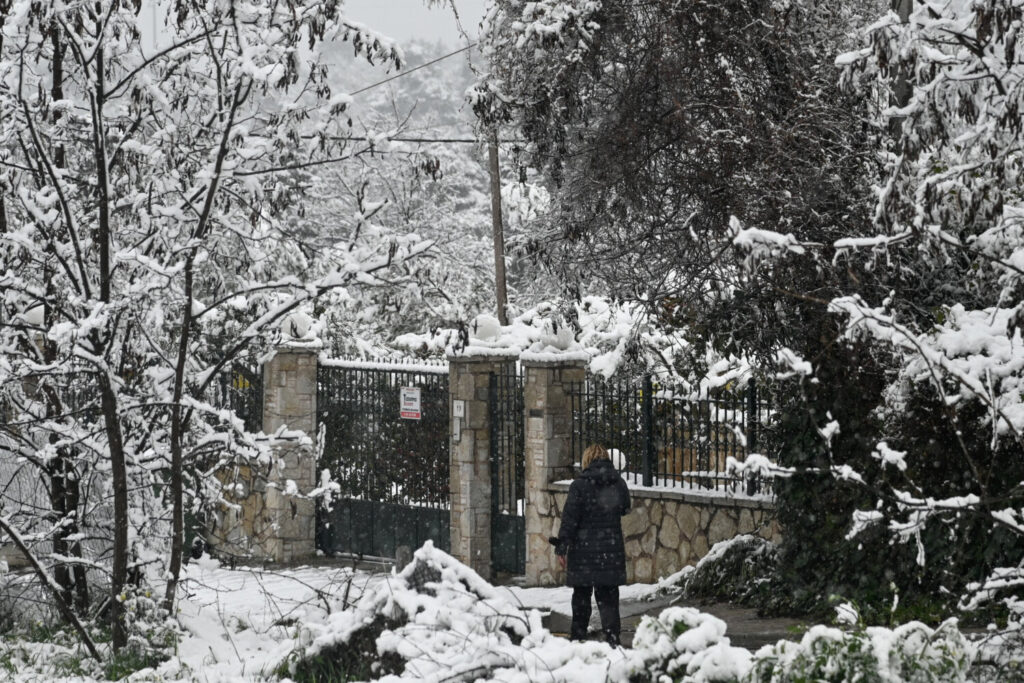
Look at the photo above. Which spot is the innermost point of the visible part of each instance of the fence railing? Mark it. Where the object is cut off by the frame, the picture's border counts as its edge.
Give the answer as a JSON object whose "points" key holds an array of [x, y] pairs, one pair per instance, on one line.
{"points": [[662, 440], [241, 390]]}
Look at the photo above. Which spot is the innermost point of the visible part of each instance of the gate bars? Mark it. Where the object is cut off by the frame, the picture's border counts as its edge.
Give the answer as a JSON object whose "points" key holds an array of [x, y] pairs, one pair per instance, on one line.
{"points": [[508, 471], [374, 454], [665, 440]]}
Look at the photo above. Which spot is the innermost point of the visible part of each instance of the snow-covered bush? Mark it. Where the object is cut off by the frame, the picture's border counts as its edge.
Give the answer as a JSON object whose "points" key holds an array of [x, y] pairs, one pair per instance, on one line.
{"points": [[947, 230], [911, 653], [683, 644], [738, 570]]}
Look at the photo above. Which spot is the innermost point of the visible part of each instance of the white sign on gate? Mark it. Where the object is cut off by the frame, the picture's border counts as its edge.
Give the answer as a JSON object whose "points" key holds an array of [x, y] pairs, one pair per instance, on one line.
{"points": [[410, 403]]}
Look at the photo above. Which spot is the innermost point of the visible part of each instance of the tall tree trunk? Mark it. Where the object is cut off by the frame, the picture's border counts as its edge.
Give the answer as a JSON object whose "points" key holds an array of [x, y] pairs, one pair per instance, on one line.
{"points": [[108, 399], [119, 475], [178, 421], [177, 428], [64, 482]]}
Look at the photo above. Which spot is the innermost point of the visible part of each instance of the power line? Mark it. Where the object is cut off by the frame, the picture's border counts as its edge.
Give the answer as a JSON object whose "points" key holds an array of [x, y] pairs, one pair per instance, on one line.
{"points": [[363, 138], [417, 68], [444, 141]]}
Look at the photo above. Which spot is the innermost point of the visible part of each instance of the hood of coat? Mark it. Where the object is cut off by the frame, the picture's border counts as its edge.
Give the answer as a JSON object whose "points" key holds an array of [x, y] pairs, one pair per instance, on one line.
{"points": [[601, 472]]}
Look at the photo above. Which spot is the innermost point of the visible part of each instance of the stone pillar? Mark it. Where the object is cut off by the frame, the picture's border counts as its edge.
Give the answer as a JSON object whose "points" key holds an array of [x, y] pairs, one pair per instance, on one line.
{"points": [[470, 434], [289, 390], [289, 400], [265, 519], [549, 457]]}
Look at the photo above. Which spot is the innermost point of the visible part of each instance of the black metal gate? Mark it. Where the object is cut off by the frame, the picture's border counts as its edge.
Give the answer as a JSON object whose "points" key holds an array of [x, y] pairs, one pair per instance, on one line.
{"points": [[392, 471], [508, 472]]}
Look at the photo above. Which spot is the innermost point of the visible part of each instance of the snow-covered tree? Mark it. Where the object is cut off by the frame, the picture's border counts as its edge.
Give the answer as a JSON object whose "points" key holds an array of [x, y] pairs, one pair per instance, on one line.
{"points": [[657, 122], [145, 179], [950, 216], [437, 190], [708, 163]]}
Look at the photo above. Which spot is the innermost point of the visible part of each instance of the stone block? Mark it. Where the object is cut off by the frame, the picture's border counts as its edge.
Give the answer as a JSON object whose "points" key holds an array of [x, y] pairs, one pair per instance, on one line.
{"points": [[534, 522], [657, 511], [636, 522], [543, 502], [666, 562], [633, 548], [482, 523], [668, 535], [722, 527], [649, 541], [306, 382], [699, 546], [644, 570], [689, 520], [746, 524], [685, 553]]}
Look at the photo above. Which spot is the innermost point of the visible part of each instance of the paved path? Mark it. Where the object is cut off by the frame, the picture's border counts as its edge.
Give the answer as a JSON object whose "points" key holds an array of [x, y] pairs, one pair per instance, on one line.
{"points": [[746, 629]]}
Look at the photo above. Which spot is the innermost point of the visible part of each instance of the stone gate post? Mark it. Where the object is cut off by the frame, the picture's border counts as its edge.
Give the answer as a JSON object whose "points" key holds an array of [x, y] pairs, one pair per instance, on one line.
{"points": [[289, 400], [470, 434], [264, 519], [548, 406]]}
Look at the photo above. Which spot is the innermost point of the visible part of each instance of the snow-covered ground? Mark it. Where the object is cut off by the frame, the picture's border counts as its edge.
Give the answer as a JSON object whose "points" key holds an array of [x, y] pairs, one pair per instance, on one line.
{"points": [[240, 623], [443, 623]]}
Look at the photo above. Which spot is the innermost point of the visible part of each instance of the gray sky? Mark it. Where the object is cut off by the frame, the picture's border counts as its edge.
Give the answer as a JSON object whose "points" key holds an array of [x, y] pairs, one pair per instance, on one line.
{"points": [[406, 19]]}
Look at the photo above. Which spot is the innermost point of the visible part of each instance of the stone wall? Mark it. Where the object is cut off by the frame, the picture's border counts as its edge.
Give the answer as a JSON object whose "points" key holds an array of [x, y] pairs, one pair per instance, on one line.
{"points": [[665, 530]]}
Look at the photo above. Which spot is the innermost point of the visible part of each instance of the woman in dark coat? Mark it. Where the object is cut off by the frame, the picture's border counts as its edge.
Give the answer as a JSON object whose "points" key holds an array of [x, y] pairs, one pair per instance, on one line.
{"points": [[591, 535]]}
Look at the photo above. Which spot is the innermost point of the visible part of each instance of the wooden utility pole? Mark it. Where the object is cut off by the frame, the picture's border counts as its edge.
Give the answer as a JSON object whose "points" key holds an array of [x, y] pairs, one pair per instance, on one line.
{"points": [[901, 90], [499, 232]]}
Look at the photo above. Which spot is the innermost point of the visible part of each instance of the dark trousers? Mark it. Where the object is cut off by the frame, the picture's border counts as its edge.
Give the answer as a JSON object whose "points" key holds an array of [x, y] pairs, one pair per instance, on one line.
{"points": [[607, 606]]}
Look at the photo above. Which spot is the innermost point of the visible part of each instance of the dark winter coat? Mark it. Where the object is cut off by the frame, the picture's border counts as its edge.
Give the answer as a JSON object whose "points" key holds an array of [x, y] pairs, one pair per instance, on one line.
{"points": [[591, 531]]}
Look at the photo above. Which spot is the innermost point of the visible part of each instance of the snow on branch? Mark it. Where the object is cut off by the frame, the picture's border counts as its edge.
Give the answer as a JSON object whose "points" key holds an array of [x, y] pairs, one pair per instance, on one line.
{"points": [[762, 245]]}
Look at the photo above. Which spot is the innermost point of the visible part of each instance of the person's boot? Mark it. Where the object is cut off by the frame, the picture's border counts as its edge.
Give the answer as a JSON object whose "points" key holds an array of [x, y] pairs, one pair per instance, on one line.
{"points": [[612, 639]]}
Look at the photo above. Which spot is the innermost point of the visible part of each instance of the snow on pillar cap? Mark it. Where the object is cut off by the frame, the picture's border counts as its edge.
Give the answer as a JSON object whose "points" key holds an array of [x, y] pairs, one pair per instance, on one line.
{"points": [[300, 330]]}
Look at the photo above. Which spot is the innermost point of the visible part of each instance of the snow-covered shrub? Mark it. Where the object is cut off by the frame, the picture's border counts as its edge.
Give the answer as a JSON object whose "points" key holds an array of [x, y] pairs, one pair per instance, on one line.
{"points": [[683, 644], [1000, 657], [737, 570], [911, 653]]}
